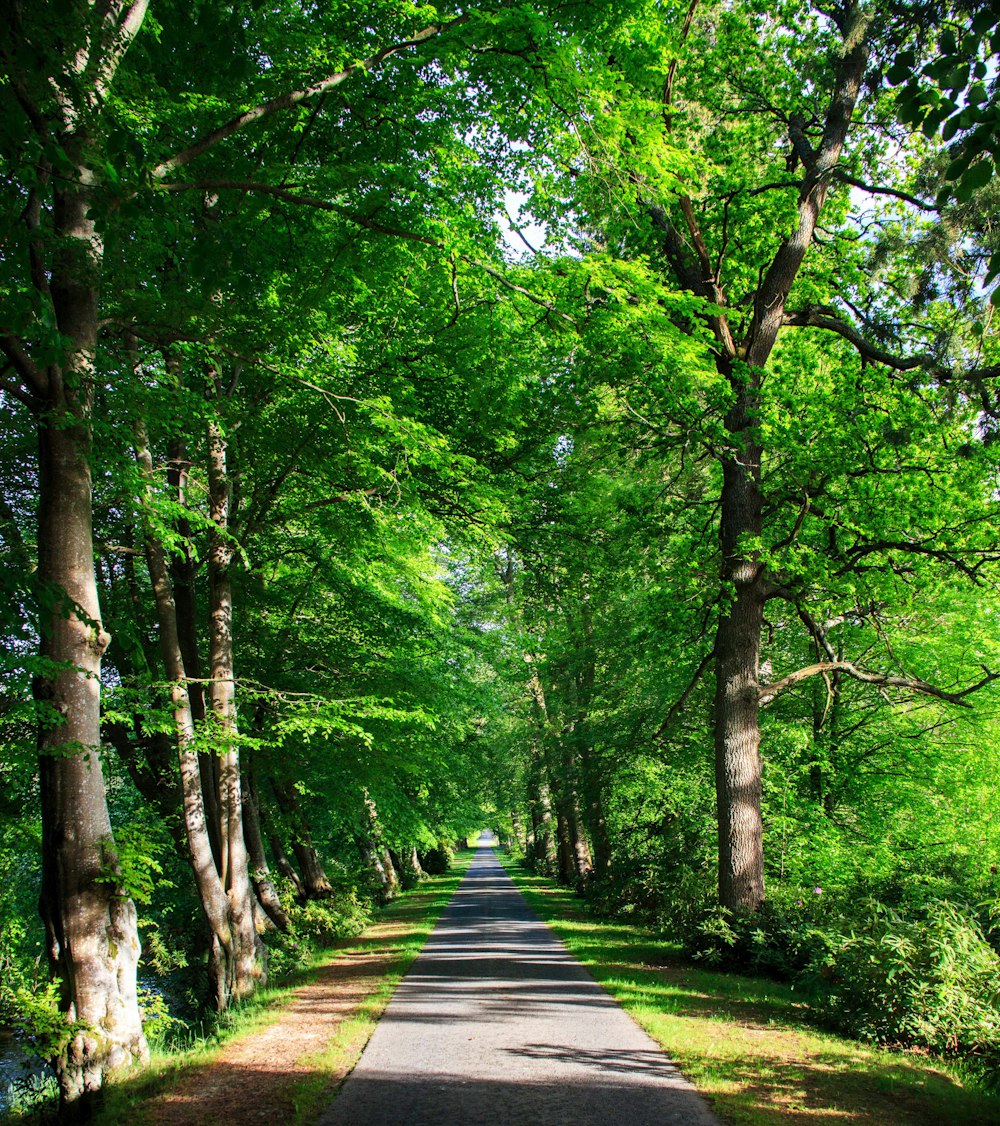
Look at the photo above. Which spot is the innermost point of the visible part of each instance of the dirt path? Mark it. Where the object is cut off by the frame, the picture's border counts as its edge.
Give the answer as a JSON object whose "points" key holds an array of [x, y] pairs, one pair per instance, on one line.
{"points": [[497, 1023], [254, 1078]]}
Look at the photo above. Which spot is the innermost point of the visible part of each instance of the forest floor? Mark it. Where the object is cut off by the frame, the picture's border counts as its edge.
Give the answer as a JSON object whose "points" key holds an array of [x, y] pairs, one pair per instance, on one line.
{"points": [[286, 1056], [749, 1045]]}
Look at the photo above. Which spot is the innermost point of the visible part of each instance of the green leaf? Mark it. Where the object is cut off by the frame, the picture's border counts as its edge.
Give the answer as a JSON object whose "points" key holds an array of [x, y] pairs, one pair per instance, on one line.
{"points": [[978, 176], [983, 21], [957, 168], [899, 72]]}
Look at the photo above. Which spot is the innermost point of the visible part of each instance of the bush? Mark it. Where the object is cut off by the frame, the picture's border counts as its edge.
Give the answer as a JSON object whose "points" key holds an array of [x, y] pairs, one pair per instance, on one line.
{"points": [[932, 981], [436, 861], [315, 925], [34, 1096], [782, 940]]}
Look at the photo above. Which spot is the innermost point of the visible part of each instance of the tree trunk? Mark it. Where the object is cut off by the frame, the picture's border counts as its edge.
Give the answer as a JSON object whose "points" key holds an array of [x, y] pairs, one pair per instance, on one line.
{"points": [[519, 831], [260, 873], [283, 864], [826, 740], [531, 837], [238, 965], [564, 859], [545, 840], [737, 651], [183, 571], [91, 933], [598, 827], [313, 881], [583, 867], [737, 644], [376, 854]]}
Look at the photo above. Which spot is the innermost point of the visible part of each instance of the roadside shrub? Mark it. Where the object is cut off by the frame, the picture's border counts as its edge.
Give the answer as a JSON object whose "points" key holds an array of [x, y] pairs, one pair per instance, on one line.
{"points": [[315, 925], [780, 940], [436, 861], [932, 981]]}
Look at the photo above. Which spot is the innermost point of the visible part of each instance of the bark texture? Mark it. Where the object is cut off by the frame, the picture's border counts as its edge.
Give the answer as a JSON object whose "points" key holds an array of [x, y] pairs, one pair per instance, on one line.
{"points": [[236, 966]]}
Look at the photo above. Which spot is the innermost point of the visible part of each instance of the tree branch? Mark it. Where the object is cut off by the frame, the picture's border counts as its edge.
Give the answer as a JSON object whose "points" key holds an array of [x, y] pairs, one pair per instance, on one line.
{"points": [[366, 221], [820, 316], [772, 293], [943, 555], [31, 374], [682, 699], [24, 397], [872, 189], [295, 97], [768, 692], [119, 26]]}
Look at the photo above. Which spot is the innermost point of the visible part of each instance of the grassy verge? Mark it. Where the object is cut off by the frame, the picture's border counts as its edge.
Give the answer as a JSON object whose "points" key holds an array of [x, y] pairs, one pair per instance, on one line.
{"points": [[748, 1044], [396, 936]]}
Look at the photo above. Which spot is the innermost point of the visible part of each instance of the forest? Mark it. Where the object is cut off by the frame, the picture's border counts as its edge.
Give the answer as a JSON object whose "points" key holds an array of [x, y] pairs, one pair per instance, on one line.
{"points": [[575, 418]]}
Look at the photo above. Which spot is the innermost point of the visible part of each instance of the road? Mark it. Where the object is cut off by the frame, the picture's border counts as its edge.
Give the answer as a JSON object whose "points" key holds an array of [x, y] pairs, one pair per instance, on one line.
{"points": [[497, 1025]]}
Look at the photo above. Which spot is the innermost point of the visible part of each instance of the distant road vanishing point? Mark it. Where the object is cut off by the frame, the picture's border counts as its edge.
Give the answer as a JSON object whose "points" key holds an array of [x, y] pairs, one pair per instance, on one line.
{"points": [[497, 1025]]}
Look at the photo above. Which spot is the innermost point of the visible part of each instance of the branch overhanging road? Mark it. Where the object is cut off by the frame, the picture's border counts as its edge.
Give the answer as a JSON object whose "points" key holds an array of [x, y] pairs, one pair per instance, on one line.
{"points": [[496, 1024]]}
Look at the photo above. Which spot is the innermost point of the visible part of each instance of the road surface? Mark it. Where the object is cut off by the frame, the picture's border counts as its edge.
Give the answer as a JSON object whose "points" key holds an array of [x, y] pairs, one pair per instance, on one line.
{"points": [[497, 1025]]}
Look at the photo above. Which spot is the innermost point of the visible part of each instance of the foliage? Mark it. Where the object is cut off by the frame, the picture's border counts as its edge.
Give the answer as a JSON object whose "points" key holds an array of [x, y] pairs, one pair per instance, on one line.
{"points": [[316, 925], [437, 860], [932, 980], [950, 95]]}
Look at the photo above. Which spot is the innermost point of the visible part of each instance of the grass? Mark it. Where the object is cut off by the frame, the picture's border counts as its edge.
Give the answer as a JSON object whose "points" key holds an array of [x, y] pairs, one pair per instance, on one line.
{"points": [[412, 917], [750, 1045]]}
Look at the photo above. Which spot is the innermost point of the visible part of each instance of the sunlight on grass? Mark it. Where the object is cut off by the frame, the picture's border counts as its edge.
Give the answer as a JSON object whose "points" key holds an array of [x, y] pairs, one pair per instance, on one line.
{"points": [[749, 1044]]}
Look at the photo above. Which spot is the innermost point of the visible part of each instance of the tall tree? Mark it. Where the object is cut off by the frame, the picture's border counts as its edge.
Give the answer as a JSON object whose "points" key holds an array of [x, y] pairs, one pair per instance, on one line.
{"points": [[54, 108]]}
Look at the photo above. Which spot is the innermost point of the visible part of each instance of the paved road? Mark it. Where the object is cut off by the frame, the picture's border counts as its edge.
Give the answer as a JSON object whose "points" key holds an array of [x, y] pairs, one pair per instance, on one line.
{"points": [[497, 1025]]}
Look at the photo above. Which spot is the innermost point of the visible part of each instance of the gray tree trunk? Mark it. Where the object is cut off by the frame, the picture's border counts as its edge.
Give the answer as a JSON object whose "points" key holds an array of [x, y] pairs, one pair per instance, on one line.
{"points": [[236, 966]]}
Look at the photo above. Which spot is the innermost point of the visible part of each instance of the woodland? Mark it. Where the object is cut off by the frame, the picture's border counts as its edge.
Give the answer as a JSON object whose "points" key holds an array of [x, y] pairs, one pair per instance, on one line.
{"points": [[576, 418]]}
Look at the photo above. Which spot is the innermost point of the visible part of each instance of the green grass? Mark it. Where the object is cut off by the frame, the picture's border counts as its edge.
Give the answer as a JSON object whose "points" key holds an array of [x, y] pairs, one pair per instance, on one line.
{"points": [[751, 1045], [415, 912]]}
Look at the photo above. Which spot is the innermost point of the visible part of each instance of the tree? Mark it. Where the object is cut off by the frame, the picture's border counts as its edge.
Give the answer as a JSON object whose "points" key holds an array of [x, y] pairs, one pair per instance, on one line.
{"points": [[52, 139]]}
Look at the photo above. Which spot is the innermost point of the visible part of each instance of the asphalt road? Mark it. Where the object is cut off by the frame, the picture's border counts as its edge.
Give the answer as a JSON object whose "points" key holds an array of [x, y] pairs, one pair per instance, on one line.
{"points": [[497, 1025]]}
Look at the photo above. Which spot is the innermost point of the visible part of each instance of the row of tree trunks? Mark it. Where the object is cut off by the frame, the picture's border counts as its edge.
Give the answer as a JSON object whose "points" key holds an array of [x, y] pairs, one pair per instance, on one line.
{"points": [[558, 765], [225, 914], [591, 780]]}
